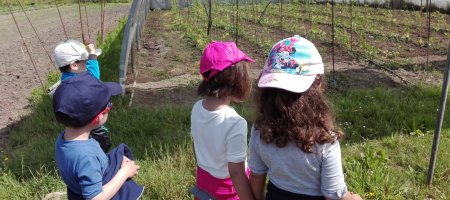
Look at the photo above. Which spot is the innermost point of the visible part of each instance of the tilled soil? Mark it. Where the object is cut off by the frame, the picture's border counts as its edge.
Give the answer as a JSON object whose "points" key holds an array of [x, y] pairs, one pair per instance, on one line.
{"points": [[17, 75]]}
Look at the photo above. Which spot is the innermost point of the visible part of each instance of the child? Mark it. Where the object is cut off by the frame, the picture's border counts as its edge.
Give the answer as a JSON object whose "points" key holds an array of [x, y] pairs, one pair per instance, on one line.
{"points": [[219, 133], [81, 104], [72, 58], [294, 141]]}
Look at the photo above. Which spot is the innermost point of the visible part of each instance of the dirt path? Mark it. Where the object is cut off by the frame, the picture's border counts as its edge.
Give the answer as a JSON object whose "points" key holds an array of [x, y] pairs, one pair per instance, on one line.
{"points": [[17, 76]]}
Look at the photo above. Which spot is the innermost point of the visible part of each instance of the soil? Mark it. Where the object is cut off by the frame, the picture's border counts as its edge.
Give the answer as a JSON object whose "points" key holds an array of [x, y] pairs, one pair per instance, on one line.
{"points": [[17, 75]]}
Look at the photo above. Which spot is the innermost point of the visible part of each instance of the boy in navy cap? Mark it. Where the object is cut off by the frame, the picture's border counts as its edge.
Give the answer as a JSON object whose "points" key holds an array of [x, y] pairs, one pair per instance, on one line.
{"points": [[74, 57], [81, 104]]}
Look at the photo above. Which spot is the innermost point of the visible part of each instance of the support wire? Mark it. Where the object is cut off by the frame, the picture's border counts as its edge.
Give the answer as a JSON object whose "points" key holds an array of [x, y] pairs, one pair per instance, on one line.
{"points": [[26, 46], [35, 32]]}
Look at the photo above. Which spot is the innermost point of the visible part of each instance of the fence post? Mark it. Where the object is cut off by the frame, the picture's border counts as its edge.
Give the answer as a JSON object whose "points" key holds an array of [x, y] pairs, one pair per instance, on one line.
{"points": [[132, 35], [440, 118]]}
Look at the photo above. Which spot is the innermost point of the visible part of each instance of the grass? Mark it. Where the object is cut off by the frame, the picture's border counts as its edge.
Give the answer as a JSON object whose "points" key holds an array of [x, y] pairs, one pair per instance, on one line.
{"points": [[385, 152]]}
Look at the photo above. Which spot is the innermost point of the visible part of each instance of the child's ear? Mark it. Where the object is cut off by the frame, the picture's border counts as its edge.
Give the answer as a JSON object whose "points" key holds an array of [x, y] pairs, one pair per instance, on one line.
{"points": [[97, 119], [100, 117], [74, 66]]}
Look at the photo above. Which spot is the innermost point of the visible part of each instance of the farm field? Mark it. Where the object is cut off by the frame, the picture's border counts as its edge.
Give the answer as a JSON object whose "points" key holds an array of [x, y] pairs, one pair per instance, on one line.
{"points": [[17, 76], [385, 97]]}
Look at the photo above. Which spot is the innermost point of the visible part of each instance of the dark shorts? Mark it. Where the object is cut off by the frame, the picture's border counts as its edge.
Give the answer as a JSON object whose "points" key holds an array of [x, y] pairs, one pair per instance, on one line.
{"points": [[275, 193]]}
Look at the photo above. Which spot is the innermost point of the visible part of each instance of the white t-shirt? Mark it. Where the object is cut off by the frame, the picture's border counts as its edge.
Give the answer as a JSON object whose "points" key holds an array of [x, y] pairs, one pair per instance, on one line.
{"points": [[219, 137]]}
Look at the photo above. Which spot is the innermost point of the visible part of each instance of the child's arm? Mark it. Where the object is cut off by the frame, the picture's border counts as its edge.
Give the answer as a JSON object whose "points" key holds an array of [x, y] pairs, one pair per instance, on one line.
{"points": [[332, 181], [92, 65], [127, 170], [257, 183], [350, 196], [240, 180]]}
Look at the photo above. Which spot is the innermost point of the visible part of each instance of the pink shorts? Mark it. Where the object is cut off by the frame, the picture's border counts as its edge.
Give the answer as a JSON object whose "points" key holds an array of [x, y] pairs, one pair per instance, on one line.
{"points": [[220, 189]]}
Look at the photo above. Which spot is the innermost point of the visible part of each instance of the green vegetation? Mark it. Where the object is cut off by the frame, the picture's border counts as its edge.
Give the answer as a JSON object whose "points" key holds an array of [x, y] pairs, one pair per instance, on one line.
{"points": [[385, 153], [388, 37]]}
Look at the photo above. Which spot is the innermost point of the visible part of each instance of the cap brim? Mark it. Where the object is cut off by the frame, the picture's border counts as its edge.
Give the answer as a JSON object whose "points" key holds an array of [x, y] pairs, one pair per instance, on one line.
{"points": [[114, 88], [248, 59], [289, 82]]}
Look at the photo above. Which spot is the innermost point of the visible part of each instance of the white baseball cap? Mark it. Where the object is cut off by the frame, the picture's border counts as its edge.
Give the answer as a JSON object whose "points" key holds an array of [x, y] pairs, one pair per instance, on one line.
{"points": [[68, 52], [293, 64]]}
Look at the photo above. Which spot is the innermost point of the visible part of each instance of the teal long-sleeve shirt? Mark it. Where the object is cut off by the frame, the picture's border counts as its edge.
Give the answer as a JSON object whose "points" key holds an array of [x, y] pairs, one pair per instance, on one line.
{"points": [[92, 66]]}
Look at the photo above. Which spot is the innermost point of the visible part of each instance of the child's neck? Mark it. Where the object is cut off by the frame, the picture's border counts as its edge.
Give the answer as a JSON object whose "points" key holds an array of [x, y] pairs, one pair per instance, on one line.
{"points": [[77, 133], [213, 103]]}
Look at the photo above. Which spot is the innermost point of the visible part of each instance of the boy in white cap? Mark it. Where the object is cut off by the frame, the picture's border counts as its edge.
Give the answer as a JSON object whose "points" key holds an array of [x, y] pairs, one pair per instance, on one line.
{"points": [[72, 58]]}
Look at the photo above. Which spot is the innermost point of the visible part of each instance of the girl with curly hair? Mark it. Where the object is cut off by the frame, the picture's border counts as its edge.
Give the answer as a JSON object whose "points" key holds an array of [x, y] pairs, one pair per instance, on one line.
{"points": [[294, 141]]}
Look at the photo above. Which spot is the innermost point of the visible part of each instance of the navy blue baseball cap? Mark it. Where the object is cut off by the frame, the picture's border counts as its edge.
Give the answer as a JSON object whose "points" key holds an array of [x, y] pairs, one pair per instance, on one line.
{"points": [[82, 97]]}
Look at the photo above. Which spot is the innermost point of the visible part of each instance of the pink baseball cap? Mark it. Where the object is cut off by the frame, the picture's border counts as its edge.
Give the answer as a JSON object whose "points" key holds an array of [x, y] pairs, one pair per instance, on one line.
{"points": [[293, 64], [218, 56]]}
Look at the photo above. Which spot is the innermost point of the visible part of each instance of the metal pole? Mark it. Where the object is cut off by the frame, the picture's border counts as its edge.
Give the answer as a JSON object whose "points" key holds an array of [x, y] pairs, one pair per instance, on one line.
{"points": [[437, 129]]}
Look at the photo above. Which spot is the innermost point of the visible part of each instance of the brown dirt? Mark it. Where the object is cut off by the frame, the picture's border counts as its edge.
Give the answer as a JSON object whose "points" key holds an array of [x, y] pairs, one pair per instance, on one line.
{"points": [[17, 76]]}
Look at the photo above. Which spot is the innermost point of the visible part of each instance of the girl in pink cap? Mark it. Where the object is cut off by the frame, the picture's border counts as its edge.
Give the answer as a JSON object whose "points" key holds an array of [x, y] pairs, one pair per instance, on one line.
{"points": [[219, 133]]}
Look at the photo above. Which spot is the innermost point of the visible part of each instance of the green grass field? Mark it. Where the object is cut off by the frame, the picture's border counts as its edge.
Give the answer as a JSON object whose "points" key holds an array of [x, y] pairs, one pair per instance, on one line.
{"points": [[385, 153]]}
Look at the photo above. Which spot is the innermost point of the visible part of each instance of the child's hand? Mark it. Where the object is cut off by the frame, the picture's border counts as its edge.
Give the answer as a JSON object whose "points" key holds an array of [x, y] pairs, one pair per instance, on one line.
{"points": [[90, 48], [129, 166]]}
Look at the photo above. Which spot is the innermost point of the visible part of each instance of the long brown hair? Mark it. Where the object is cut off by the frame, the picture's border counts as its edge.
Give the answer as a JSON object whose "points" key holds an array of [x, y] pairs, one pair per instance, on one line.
{"points": [[303, 118], [234, 81]]}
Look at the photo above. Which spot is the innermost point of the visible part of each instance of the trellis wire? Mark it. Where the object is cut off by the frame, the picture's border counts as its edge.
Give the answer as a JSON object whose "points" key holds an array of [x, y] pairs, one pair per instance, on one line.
{"points": [[35, 32], [81, 20], [87, 21], [429, 30], [332, 40], [310, 18], [26, 47], [59, 13], [281, 19], [351, 26], [254, 18], [102, 18], [237, 22]]}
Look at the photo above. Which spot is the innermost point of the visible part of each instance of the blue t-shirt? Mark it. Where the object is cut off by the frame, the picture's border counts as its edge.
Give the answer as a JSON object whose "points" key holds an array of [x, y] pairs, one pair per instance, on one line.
{"points": [[92, 66], [81, 165]]}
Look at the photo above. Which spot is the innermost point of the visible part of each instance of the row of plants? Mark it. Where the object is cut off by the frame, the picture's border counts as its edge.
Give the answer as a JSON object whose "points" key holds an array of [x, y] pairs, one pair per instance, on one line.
{"points": [[376, 27], [389, 45]]}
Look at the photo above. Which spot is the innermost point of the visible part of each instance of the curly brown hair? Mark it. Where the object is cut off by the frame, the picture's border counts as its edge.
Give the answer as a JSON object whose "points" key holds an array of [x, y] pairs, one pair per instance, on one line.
{"points": [[234, 81], [304, 118]]}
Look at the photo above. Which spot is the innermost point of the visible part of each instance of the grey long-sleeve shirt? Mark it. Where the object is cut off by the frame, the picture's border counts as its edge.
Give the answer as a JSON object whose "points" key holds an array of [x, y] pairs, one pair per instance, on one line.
{"points": [[289, 168]]}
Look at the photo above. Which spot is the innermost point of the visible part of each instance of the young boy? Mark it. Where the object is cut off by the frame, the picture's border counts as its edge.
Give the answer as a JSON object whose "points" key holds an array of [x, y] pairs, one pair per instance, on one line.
{"points": [[72, 58], [81, 104]]}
